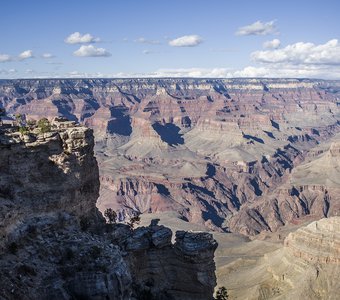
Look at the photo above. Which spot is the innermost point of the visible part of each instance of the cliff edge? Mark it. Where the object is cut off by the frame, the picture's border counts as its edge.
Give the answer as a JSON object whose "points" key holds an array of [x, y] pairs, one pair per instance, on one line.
{"points": [[56, 245]]}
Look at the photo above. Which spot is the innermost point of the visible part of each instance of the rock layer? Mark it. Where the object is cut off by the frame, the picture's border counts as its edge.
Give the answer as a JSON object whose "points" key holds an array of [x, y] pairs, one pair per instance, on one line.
{"points": [[221, 152], [319, 242]]}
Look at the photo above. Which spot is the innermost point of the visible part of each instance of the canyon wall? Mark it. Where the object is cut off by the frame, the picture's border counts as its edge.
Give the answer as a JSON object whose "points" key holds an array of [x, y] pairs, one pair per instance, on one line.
{"points": [[231, 154]]}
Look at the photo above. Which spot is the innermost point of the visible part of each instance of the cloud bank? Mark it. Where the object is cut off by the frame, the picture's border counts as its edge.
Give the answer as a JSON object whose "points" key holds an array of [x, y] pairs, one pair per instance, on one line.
{"points": [[302, 53]]}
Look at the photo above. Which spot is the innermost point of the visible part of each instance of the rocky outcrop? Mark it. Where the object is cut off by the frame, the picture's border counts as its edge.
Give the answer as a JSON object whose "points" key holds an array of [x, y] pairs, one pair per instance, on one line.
{"points": [[319, 242], [48, 173], [189, 271], [55, 244]]}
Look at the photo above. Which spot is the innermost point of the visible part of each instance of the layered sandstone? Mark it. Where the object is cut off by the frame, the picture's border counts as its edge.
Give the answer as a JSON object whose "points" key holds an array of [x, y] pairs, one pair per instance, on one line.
{"points": [[319, 242], [232, 153]]}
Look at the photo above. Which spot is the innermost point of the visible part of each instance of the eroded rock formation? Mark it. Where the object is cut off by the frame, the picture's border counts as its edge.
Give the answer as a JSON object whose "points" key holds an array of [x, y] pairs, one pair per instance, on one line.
{"points": [[232, 154], [55, 243], [319, 242]]}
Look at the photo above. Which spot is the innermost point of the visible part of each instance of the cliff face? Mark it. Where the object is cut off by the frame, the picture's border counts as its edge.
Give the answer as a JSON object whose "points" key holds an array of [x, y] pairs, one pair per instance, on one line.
{"points": [[48, 173], [221, 152], [184, 270], [56, 245]]}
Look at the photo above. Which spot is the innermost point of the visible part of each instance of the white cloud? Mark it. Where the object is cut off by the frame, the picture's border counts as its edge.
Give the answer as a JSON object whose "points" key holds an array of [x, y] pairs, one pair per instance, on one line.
{"points": [[5, 58], [77, 74], [258, 28], [25, 55], [22, 56], [186, 41], [274, 44], [47, 55], [91, 51], [282, 71], [302, 53], [146, 41], [268, 71], [78, 38], [192, 72]]}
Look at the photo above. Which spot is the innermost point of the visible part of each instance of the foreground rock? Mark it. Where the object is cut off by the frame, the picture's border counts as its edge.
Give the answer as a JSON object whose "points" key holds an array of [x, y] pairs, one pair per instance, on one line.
{"points": [[56, 245]]}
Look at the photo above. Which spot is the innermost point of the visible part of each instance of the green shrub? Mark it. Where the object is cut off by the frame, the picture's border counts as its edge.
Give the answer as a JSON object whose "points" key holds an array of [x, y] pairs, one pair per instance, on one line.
{"points": [[44, 125], [23, 130]]}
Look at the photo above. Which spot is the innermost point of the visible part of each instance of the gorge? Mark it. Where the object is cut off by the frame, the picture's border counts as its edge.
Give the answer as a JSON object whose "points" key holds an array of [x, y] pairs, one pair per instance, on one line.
{"points": [[239, 155], [246, 171]]}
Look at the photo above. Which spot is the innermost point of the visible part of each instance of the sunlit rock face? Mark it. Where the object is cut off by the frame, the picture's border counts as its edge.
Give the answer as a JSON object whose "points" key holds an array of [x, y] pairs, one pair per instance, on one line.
{"points": [[319, 242], [239, 155], [48, 173]]}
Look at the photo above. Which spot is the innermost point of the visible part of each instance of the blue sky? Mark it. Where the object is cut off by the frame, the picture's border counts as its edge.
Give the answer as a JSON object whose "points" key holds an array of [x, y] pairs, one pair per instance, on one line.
{"points": [[131, 38]]}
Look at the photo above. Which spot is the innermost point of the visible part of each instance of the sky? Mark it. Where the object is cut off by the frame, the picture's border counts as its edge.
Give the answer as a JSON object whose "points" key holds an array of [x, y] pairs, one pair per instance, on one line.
{"points": [[170, 38]]}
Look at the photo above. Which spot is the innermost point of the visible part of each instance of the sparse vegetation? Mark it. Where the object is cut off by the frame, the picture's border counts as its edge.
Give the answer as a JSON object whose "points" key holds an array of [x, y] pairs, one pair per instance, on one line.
{"points": [[135, 220], [44, 125], [18, 118], [31, 123], [222, 294], [110, 215], [23, 130]]}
